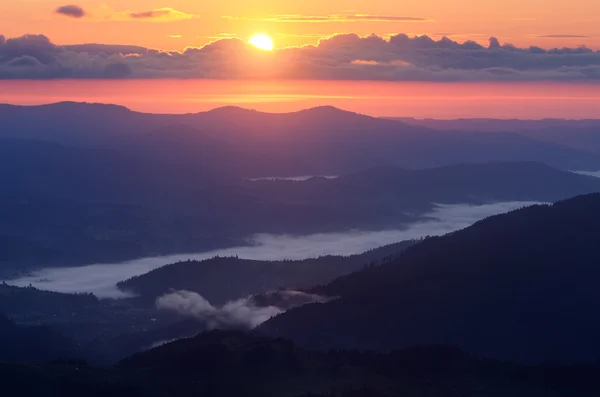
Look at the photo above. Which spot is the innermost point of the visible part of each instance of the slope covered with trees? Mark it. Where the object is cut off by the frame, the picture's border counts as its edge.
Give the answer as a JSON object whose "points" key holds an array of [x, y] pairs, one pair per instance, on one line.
{"points": [[220, 280], [32, 343], [234, 364], [523, 285]]}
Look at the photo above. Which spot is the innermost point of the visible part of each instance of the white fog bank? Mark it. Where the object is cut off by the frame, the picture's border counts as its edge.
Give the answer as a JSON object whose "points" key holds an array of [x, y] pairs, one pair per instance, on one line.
{"points": [[101, 279], [589, 173], [300, 178]]}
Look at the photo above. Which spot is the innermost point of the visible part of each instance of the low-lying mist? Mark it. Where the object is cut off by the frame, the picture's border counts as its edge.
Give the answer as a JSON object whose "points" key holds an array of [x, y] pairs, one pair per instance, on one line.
{"points": [[241, 314], [300, 178], [101, 279], [589, 173]]}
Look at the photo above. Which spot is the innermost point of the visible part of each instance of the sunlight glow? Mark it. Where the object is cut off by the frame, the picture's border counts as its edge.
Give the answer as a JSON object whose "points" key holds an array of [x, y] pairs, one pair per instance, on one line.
{"points": [[262, 41]]}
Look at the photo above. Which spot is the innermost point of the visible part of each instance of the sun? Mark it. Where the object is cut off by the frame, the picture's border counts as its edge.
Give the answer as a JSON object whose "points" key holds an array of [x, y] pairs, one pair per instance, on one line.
{"points": [[261, 41]]}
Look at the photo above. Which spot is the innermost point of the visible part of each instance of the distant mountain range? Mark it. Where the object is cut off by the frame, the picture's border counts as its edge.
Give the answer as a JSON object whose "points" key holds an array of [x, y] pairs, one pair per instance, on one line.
{"points": [[522, 286], [578, 134], [319, 141]]}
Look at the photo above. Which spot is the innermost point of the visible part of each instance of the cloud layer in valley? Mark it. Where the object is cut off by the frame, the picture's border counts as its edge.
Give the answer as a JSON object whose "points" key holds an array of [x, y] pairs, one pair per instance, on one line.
{"points": [[101, 279], [241, 314], [589, 173], [340, 57]]}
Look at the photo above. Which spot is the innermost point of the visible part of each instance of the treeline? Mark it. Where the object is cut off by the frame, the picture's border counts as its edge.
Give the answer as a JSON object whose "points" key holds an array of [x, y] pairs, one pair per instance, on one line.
{"points": [[23, 301]]}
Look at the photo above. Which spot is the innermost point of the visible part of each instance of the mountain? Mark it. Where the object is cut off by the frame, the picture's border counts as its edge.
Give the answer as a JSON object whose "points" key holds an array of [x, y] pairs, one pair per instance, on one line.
{"points": [[319, 141], [517, 286], [31, 302], [65, 205], [577, 134], [221, 280], [496, 181], [32, 343]]}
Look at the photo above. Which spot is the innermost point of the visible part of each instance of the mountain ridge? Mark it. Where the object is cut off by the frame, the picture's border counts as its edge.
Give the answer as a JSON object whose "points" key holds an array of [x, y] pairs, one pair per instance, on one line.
{"points": [[514, 286]]}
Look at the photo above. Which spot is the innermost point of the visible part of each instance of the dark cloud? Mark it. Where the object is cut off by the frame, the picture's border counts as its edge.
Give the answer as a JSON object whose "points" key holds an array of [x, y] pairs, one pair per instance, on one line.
{"points": [[117, 71], [36, 46], [106, 49], [564, 36], [494, 43], [24, 61], [345, 56], [71, 11]]}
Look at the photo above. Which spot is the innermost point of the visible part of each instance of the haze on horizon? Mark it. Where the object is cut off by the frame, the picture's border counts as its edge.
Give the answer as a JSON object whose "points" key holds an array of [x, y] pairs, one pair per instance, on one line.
{"points": [[378, 99]]}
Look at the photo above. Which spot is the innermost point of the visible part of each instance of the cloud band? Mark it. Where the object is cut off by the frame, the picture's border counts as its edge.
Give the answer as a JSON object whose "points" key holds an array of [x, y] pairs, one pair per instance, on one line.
{"points": [[341, 57]]}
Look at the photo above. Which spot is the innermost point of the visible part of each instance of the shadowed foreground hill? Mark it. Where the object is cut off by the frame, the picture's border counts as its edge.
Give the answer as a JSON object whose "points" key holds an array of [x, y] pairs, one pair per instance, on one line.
{"points": [[523, 285], [32, 344], [15, 301], [239, 365]]}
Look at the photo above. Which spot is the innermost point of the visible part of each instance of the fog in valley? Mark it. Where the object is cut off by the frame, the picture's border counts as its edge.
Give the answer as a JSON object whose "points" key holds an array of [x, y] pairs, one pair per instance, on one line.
{"points": [[300, 178], [101, 279], [590, 173]]}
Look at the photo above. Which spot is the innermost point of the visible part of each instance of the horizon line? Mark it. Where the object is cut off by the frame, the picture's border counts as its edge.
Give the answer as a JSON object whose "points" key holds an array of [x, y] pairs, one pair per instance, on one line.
{"points": [[390, 118]]}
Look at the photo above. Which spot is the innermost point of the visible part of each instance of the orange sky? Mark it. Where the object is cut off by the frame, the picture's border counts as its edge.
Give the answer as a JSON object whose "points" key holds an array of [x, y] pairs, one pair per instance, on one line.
{"points": [[421, 100], [521, 22], [178, 24]]}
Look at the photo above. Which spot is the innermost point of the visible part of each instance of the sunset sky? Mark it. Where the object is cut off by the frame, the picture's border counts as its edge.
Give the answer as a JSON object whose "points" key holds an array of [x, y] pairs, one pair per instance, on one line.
{"points": [[544, 23], [495, 58]]}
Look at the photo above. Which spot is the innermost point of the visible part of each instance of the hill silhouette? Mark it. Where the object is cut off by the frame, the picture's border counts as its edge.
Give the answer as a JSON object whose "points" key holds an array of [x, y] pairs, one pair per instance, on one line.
{"points": [[336, 141], [220, 280], [522, 286], [235, 364], [32, 343], [19, 301], [578, 134]]}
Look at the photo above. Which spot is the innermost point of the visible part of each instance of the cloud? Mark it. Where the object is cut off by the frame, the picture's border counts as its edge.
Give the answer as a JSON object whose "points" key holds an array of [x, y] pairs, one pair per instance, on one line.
{"points": [[589, 173], [101, 279], [294, 18], [244, 313], [156, 15], [564, 36], [107, 49], [105, 13], [71, 11], [34, 46], [340, 57]]}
